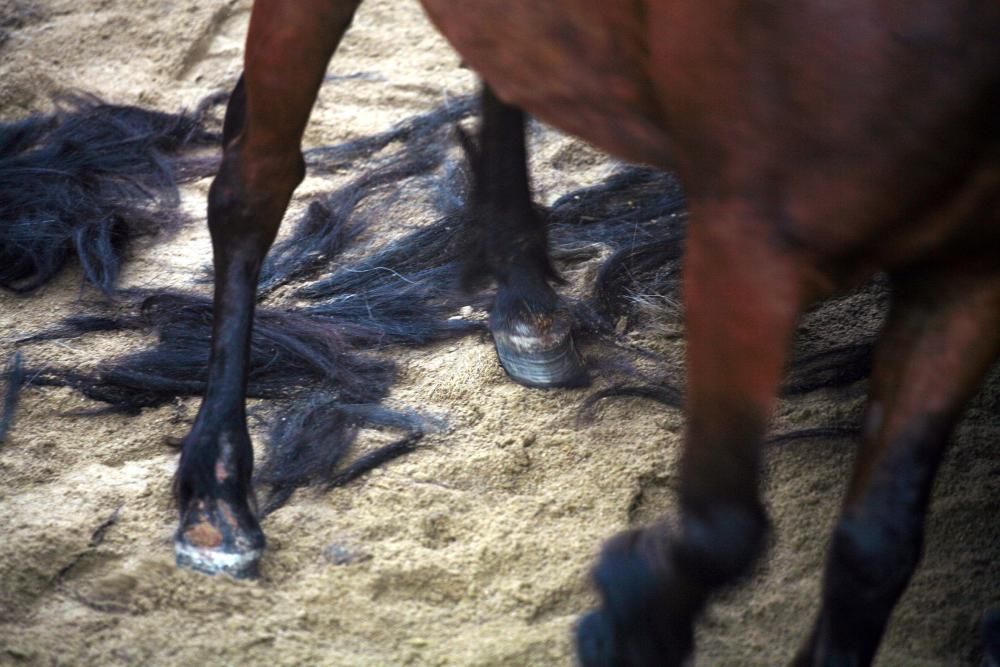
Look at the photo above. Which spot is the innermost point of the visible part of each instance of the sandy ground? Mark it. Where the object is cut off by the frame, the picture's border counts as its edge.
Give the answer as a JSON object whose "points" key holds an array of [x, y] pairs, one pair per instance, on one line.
{"points": [[472, 551]]}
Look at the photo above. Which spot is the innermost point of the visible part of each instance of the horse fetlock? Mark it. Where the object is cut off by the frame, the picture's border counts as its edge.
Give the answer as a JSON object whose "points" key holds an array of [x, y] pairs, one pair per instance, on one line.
{"points": [[873, 558], [648, 609], [720, 543], [218, 531], [655, 582], [214, 457], [523, 287]]}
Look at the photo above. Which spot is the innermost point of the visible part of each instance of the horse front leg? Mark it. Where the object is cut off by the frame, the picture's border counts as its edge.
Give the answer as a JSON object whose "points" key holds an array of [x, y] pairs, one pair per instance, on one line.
{"points": [[288, 47], [508, 240], [743, 294], [941, 337]]}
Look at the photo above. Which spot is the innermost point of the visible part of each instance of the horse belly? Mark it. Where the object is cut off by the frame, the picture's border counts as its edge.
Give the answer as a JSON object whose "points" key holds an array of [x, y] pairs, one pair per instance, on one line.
{"points": [[579, 65]]}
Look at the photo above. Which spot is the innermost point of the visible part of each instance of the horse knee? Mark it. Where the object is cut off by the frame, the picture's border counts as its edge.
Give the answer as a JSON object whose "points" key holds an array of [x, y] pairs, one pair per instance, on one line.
{"points": [[720, 542], [251, 191]]}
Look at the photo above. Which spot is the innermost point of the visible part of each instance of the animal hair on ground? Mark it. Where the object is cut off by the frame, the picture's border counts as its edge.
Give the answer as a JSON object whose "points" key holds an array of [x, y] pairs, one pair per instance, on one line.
{"points": [[306, 360], [393, 160], [85, 181], [13, 379], [417, 134], [322, 389], [315, 348]]}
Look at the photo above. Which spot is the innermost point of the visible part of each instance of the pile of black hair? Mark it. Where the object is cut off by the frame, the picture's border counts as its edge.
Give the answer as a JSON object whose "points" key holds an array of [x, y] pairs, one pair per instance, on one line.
{"points": [[335, 298], [316, 365], [398, 163], [82, 182]]}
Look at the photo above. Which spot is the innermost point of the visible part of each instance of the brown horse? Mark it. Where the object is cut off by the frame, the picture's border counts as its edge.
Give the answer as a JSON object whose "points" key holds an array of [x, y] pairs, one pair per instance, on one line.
{"points": [[819, 142]]}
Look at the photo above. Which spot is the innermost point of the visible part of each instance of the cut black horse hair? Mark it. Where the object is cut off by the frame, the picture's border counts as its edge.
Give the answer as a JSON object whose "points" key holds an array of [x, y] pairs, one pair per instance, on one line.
{"points": [[638, 214], [84, 181], [307, 444], [303, 352], [334, 220], [324, 389], [13, 379], [312, 352], [417, 134]]}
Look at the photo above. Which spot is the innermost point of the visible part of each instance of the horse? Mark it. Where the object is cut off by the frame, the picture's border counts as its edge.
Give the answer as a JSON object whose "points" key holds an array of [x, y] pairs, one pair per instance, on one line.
{"points": [[818, 143]]}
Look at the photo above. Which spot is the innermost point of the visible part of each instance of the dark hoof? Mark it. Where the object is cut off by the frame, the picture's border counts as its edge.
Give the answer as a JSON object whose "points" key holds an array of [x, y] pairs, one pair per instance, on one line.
{"points": [[213, 538], [539, 352], [640, 623]]}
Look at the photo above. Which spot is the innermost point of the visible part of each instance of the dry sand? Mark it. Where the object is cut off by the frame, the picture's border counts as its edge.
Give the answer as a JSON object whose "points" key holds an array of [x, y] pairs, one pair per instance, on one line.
{"points": [[472, 551]]}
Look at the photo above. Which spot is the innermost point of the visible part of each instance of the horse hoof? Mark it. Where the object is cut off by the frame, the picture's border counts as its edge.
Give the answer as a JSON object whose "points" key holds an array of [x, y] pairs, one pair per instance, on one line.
{"points": [[215, 539], [539, 352]]}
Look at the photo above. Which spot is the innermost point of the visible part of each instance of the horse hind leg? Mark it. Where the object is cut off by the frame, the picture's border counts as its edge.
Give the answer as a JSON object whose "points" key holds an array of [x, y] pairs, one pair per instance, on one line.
{"points": [[288, 47], [942, 335], [507, 239], [743, 294]]}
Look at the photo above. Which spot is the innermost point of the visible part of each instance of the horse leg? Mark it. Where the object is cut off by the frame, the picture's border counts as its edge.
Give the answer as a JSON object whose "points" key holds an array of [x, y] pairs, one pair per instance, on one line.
{"points": [[288, 47], [743, 294], [531, 328], [942, 335]]}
